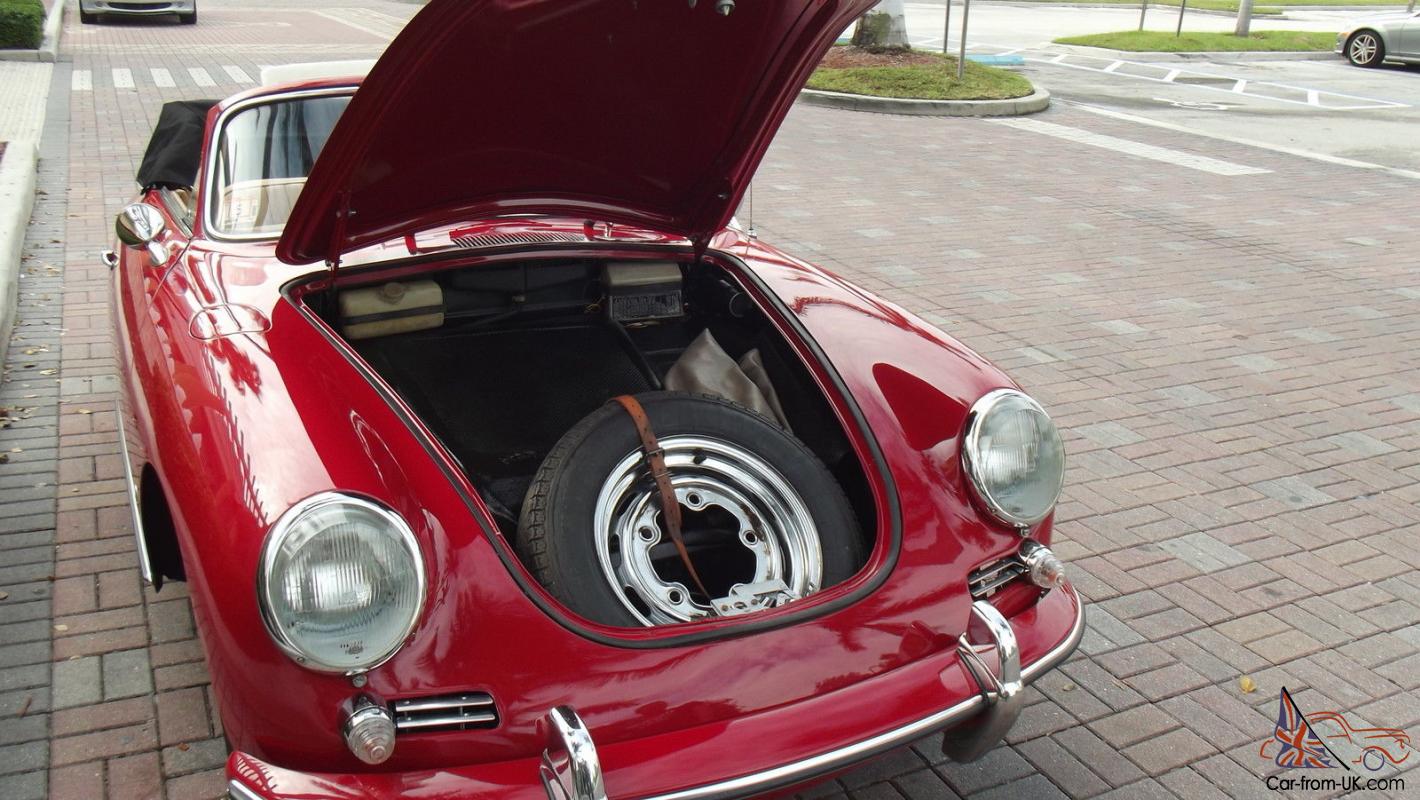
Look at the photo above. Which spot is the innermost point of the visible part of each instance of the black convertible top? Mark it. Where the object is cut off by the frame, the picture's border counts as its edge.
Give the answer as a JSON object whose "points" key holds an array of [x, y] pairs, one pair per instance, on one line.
{"points": [[175, 152]]}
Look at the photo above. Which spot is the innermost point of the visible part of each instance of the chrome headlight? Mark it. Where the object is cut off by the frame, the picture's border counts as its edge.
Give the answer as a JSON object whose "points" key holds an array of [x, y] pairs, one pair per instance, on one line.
{"points": [[341, 583], [1014, 457]]}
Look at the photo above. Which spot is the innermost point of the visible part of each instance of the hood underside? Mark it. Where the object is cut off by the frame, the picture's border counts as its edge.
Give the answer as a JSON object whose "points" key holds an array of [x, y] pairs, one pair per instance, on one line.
{"points": [[653, 113]]}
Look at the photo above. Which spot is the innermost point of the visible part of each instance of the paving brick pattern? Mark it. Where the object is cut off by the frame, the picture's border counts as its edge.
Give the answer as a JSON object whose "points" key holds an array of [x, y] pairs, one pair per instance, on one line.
{"points": [[1233, 360]]}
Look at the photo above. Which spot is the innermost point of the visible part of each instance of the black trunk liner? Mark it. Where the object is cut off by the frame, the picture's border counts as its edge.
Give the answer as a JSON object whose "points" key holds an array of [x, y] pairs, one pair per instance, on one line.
{"points": [[501, 399]]}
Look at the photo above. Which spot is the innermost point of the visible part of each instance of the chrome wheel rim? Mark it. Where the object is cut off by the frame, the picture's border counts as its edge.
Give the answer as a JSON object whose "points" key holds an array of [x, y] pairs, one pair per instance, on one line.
{"points": [[1363, 48], [763, 525]]}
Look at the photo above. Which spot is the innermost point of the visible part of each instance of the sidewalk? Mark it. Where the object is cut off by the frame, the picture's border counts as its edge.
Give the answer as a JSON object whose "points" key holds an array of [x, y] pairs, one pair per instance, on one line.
{"points": [[24, 88]]}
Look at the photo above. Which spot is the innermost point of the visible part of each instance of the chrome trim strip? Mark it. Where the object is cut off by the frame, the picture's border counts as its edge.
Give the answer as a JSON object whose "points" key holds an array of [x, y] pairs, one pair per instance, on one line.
{"points": [[443, 703], [145, 564], [236, 790], [800, 771], [448, 721]]}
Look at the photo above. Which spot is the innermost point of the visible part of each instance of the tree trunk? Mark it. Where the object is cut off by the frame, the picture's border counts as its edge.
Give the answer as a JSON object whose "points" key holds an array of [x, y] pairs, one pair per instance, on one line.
{"points": [[1244, 18], [883, 28]]}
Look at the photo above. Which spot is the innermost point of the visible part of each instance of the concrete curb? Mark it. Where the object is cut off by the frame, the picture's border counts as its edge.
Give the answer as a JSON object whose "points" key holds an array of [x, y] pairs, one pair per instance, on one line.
{"points": [[929, 108], [48, 51], [1217, 58], [18, 174]]}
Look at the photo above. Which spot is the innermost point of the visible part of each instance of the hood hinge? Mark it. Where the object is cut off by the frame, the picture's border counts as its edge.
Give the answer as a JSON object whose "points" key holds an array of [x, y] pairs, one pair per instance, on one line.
{"points": [[343, 213]]}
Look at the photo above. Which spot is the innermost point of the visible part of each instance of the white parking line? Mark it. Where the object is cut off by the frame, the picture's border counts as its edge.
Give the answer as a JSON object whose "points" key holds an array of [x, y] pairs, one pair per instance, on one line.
{"points": [[122, 78], [1163, 154], [1276, 148], [1259, 90], [81, 81], [162, 78], [237, 74], [201, 77]]}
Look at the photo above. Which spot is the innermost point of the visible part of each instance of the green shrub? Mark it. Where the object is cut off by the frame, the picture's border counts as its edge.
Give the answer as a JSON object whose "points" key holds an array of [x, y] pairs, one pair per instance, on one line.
{"points": [[21, 23]]}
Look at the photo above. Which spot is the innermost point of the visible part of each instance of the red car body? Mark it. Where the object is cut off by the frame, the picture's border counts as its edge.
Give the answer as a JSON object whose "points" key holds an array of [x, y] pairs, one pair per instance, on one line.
{"points": [[240, 403]]}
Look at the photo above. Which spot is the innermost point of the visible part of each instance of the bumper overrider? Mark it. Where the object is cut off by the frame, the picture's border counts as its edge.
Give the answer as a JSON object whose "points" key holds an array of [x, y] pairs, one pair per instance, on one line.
{"points": [[571, 767]]}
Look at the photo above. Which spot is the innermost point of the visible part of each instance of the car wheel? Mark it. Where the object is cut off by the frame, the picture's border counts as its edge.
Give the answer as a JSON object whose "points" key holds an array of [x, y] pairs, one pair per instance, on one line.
{"points": [[757, 506], [1366, 49], [87, 17], [189, 19]]}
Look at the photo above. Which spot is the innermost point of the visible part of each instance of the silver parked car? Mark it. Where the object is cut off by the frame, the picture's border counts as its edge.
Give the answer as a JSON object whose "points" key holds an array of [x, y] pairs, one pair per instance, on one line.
{"points": [[1371, 41], [91, 10]]}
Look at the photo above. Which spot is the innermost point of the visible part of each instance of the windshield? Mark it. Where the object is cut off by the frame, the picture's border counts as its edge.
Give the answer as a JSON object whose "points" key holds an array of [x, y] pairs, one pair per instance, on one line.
{"points": [[263, 157]]}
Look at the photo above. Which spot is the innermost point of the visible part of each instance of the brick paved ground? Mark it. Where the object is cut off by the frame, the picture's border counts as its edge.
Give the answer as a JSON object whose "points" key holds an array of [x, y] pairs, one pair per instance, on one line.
{"points": [[1233, 360]]}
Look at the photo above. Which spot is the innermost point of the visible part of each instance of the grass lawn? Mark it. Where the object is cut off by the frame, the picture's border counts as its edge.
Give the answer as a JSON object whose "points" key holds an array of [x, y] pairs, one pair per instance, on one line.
{"points": [[1219, 5], [1272, 6], [1164, 42], [924, 81]]}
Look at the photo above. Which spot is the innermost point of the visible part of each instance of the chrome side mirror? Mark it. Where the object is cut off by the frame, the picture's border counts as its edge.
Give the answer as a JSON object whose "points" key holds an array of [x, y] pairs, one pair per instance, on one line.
{"points": [[140, 225]]}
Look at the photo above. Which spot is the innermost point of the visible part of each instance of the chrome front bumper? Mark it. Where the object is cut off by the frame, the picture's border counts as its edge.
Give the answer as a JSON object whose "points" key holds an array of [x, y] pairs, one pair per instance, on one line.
{"points": [[571, 769]]}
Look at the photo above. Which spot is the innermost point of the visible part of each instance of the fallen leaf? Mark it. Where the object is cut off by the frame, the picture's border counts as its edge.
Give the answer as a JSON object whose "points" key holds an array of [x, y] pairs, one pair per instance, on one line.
{"points": [[1069, 687], [25, 707], [183, 747], [4, 595], [61, 628], [49, 372], [1247, 684], [4, 458], [85, 411]]}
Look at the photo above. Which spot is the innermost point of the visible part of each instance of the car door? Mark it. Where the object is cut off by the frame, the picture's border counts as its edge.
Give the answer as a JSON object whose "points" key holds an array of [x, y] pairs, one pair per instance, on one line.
{"points": [[1409, 39]]}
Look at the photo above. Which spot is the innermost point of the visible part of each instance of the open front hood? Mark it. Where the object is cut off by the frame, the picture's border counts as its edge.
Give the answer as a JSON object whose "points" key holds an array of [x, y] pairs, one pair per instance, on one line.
{"points": [[653, 113]]}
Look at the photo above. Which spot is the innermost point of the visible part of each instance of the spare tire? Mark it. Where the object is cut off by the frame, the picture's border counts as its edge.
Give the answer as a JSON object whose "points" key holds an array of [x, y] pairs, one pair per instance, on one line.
{"points": [[760, 512]]}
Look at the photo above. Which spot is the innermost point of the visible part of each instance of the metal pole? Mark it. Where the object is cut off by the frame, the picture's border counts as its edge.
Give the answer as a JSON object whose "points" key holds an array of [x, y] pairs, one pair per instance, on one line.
{"points": [[947, 29], [1182, 7], [1143, 12], [1244, 18], [961, 59]]}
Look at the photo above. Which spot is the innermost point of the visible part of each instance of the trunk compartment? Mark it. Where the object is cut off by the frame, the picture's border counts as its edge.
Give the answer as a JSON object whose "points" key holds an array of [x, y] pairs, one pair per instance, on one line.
{"points": [[527, 349]]}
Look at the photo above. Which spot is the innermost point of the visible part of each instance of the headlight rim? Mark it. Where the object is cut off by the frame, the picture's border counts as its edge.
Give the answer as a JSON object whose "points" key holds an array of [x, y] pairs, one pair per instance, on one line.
{"points": [[270, 548], [970, 455]]}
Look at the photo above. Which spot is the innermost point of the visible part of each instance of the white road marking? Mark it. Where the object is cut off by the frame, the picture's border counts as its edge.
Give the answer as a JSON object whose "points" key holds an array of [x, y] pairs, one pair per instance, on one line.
{"points": [[163, 78], [201, 77], [81, 81], [122, 78], [1162, 154], [1276, 148], [237, 74], [344, 19], [1302, 96]]}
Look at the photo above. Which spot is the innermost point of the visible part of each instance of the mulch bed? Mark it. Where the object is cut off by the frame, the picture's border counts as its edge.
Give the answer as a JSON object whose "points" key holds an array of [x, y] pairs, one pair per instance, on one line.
{"points": [[846, 57]]}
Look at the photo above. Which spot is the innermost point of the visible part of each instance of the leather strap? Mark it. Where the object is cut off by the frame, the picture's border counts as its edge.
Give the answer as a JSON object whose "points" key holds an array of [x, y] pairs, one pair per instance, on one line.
{"points": [[656, 463]]}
